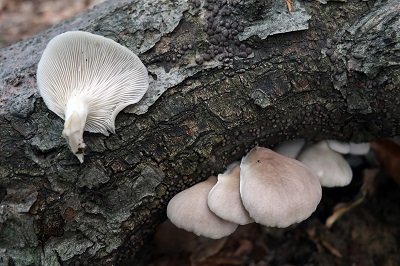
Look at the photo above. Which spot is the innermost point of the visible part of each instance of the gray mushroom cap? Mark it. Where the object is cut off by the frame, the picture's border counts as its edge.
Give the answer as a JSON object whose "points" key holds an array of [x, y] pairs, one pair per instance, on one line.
{"points": [[87, 79], [339, 146], [188, 210], [329, 166], [276, 190], [349, 147], [290, 148], [359, 148], [224, 198]]}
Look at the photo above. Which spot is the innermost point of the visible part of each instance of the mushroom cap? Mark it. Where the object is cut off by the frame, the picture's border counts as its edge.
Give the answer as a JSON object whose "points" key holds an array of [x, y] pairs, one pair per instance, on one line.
{"points": [[224, 198], [339, 146], [100, 72], [359, 148], [290, 148], [188, 210], [329, 166], [277, 190]]}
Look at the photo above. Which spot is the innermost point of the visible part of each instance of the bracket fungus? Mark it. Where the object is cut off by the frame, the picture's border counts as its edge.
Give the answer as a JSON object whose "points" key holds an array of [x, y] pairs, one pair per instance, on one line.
{"points": [[188, 210], [87, 79], [224, 198], [276, 190], [330, 167]]}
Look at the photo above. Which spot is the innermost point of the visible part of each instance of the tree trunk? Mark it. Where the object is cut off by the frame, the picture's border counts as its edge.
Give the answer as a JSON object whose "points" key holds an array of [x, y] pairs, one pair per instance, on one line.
{"points": [[224, 77]]}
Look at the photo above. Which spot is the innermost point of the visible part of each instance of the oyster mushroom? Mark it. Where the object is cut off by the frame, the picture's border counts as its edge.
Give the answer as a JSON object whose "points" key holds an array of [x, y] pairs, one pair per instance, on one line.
{"points": [[276, 190], [224, 198], [87, 79], [290, 148], [339, 146], [188, 210], [353, 148], [329, 166]]}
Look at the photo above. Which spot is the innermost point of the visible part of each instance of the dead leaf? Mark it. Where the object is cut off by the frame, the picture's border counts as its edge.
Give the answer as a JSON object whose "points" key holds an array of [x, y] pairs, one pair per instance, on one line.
{"points": [[388, 155], [334, 251], [220, 260], [368, 186], [206, 250], [342, 208], [245, 247], [289, 4], [321, 243], [169, 239]]}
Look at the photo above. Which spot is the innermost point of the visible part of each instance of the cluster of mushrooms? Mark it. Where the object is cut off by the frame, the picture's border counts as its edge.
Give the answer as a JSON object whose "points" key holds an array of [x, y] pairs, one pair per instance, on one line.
{"points": [[273, 188], [87, 79]]}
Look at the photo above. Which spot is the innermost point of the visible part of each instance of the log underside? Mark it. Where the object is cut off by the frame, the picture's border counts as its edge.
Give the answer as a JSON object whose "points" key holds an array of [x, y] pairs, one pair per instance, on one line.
{"points": [[323, 71]]}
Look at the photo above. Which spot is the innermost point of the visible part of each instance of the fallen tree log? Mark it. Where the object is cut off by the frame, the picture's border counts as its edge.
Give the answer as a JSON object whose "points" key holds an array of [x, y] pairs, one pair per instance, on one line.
{"points": [[225, 76]]}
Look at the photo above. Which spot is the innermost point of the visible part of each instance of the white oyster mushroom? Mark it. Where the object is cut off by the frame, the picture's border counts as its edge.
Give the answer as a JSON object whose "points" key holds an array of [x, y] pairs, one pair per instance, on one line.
{"points": [[349, 147], [359, 148], [224, 198], [276, 190], [87, 79], [339, 146], [329, 166], [188, 210], [290, 148]]}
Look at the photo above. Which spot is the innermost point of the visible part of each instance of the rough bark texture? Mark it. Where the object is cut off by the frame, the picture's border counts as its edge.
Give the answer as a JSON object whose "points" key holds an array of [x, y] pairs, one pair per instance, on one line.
{"points": [[329, 69]]}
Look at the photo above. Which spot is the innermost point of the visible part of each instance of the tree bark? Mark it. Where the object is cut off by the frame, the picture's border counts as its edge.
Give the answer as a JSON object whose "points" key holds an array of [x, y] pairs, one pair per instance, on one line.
{"points": [[328, 69]]}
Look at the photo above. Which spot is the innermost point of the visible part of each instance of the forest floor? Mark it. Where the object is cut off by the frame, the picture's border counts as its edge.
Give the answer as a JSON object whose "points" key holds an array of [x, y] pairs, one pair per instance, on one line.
{"points": [[367, 234], [20, 19]]}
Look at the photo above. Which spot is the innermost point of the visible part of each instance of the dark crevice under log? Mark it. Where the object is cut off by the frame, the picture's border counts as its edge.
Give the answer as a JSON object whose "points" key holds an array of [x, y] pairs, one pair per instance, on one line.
{"points": [[323, 71]]}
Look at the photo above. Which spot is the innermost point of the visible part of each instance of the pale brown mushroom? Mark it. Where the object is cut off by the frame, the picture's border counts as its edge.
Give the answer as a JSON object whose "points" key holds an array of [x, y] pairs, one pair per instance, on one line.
{"points": [[276, 190], [329, 166], [224, 198], [353, 148], [188, 210], [339, 146], [290, 148]]}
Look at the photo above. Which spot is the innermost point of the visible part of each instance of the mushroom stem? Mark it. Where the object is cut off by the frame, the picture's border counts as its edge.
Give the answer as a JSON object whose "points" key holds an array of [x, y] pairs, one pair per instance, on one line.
{"points": [[75, 120]]}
